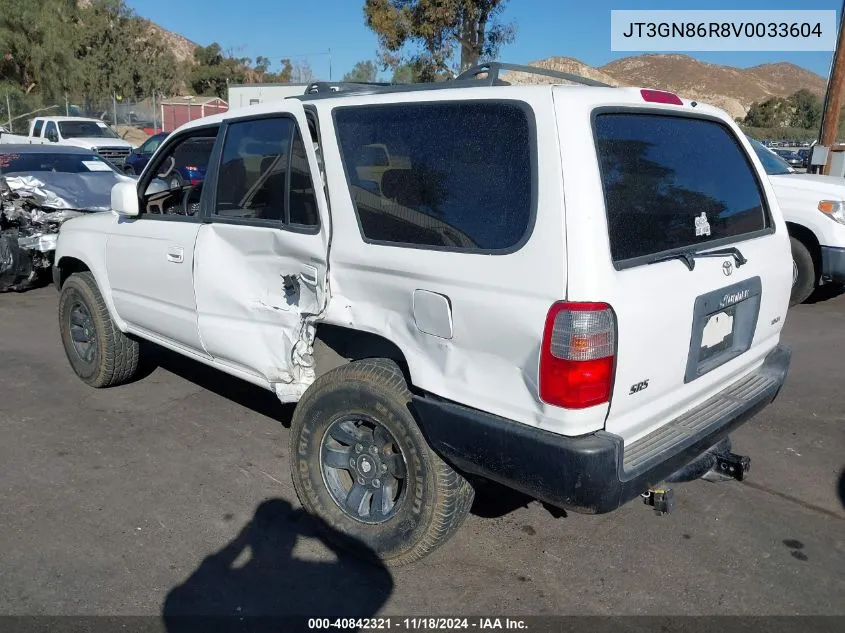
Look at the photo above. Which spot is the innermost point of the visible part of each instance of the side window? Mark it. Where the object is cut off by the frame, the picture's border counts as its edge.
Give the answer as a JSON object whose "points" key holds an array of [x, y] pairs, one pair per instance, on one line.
{"points": [[264, 174], [36, 130], [454, 175], [180, 174], [150, 145], [51, 130]]}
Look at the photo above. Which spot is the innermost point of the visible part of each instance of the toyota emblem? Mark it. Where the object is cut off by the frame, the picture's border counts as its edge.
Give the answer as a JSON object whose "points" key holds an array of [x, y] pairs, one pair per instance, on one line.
{"points": [[728, 269]]}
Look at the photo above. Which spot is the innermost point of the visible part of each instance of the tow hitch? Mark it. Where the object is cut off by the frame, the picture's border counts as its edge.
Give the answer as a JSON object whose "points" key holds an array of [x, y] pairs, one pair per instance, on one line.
{"points": [[728, 466], [661, 499]]}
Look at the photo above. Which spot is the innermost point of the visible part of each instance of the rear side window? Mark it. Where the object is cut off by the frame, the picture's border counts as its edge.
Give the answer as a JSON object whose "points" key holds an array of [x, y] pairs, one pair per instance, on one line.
{"points": [[36, 130], [454, 175], [672, 183]]}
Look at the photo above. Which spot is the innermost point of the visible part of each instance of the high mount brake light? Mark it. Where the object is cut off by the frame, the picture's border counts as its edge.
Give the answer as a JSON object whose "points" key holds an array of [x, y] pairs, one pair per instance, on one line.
{"points": [[578, 355], [661, 96]]}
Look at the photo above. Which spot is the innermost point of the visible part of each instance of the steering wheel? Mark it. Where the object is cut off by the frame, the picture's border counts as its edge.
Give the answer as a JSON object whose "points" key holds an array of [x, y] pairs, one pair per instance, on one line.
{"points": [[186, 198]]}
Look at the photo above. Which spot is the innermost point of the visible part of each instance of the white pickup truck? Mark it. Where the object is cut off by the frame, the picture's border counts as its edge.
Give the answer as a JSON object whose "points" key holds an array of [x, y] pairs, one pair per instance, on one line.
{"points": [[91, 134]]}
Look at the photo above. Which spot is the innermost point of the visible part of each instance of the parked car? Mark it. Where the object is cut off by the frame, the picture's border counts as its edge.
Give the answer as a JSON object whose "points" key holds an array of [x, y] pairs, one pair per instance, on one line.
{"points": [[139, 157], [805, 153], [813, 206], [90, 134], [41, 186], [498, 307], [792, 158]]}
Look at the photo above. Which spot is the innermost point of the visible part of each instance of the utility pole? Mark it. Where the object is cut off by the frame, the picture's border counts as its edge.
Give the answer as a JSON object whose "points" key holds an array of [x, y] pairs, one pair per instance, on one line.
{"points": [[330, 64], [834, 93]]}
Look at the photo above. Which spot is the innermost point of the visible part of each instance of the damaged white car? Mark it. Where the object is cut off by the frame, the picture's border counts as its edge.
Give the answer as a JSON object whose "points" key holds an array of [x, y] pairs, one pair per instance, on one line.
{"points": [[40, 188], [447, 288]]}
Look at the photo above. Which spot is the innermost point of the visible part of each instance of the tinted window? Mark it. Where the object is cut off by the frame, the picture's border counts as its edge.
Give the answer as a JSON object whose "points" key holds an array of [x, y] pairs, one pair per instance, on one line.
{"points": [[264, 173], [36, 130], [453, 175], [673, 182], [774, 165], [51, 127]]}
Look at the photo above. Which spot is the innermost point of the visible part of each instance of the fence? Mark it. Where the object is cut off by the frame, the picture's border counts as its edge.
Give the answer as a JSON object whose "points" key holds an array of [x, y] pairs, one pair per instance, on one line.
{"points": [[132, 119]]}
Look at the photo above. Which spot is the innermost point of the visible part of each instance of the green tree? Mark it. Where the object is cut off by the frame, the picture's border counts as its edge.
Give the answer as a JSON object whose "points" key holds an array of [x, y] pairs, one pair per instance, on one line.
{"points": [[213, 70], [34, 39], [808, 109], [431, 34], [362, 71]]}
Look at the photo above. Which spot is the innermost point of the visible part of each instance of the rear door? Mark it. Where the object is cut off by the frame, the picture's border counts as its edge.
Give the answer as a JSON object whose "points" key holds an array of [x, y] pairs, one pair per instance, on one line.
{"points": [[260, 258], [666, 181]]}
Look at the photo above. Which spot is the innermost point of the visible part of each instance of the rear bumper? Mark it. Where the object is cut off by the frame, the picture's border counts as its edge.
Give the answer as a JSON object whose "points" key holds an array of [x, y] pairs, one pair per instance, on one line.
{"points": [[833, 264], [585, 473]]}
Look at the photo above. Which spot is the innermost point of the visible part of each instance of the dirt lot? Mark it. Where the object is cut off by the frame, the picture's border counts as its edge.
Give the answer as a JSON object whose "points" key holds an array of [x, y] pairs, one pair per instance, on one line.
{"points": [[135, 500]]}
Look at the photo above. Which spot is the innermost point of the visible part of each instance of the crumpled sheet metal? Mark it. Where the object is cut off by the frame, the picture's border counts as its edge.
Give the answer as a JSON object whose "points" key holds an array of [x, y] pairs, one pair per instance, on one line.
{"points": [[59, 191], [28, 231]]}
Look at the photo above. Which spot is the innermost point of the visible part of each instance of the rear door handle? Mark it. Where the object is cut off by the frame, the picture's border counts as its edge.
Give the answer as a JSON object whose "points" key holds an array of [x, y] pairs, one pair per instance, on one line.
{"points": [[176, 254]]}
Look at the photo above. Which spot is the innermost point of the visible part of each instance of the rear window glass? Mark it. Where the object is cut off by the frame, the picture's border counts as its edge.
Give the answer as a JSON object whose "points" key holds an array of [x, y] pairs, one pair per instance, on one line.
{"points": [[674, 182], [455, 175]]}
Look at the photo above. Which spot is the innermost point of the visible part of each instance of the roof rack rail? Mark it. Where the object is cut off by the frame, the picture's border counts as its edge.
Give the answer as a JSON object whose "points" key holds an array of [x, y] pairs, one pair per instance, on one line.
{"points": [[322, 87], [471, 76], [492, 71]]}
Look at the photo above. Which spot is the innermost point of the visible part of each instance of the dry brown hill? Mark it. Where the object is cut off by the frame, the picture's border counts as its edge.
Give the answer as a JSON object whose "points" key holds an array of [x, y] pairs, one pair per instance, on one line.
{"points": [[732, 89], [181, 47]]}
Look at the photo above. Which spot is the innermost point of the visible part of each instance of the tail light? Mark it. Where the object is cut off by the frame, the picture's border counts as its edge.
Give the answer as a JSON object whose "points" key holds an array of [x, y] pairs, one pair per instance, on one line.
{"points": [[578, 354]]}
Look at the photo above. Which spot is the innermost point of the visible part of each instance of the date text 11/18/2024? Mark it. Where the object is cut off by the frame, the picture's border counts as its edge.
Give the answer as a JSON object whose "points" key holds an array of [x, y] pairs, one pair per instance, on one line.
{"points": [[417, 624]]}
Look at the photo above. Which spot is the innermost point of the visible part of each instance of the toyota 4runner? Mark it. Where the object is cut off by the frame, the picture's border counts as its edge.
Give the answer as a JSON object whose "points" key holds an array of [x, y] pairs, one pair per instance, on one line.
{"points": [[574, 290]]}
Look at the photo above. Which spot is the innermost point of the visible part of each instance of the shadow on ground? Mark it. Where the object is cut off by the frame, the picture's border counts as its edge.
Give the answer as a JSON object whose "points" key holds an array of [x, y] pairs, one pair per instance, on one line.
{"points": [[245, 394], [255, 583], [826, 293]]}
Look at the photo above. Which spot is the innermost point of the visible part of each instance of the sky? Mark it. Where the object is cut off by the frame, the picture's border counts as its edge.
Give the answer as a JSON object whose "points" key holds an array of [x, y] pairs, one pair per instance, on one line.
{"points": [[308, 29]]}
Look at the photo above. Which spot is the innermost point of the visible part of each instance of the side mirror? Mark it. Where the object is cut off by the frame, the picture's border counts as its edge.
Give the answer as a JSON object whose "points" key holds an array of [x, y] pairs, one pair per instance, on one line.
{"points": [[124, 199]]}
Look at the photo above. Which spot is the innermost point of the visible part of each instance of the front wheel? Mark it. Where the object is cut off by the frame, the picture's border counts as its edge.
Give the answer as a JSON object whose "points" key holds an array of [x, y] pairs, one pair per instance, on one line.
{"points": [[803, 272], [99, 353], [361, 465]]}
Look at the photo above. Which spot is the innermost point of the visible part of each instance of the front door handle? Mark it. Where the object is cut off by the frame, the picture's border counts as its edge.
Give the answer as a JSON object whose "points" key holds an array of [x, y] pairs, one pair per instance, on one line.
{"points": [[176, 254]]}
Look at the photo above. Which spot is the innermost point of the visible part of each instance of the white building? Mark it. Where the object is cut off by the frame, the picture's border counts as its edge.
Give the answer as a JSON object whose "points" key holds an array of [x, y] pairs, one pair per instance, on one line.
{"points": [[241, 95]]}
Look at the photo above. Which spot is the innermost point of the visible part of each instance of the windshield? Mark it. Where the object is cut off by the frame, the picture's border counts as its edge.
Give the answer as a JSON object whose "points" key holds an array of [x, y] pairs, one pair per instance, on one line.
{"points": [[54, 162], [86, 129], [774, 165]]}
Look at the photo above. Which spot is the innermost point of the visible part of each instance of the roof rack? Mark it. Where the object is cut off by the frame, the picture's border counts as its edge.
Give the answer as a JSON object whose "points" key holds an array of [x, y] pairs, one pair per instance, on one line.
{"points": [[490, 71], [323, 87]]}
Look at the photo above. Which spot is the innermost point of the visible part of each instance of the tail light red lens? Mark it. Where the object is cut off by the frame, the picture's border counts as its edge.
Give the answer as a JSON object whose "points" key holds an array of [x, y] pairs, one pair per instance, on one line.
{"points": [[661, 96], [578, 355]]}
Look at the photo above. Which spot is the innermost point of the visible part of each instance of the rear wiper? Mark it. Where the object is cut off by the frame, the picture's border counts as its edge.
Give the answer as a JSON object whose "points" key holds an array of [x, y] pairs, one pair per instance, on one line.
{"points": [[689, 257]]}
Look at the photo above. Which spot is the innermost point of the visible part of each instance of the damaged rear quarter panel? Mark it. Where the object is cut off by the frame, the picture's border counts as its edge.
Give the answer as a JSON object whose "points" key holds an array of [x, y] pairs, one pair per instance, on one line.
{"points": [[498, 301]]}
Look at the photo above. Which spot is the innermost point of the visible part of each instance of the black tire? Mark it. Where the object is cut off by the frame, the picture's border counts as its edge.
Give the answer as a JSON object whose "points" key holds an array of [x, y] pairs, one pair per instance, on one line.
{"points": [[436, 498], [804, 272], [106, 357]]}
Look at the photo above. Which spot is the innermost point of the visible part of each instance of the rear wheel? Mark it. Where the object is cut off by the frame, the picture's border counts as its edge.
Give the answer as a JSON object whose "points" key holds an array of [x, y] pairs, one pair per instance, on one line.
{"points": [[361, 465], [99, 353], [803, 272]]}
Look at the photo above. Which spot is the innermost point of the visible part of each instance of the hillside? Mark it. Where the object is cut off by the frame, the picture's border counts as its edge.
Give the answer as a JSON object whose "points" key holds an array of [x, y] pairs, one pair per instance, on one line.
{"points": [[732, 89], [181, 47]]}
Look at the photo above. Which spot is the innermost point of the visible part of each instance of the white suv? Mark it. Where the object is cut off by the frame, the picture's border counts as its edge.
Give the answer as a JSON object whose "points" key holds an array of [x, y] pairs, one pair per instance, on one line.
{"points": [[575, 291]]}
